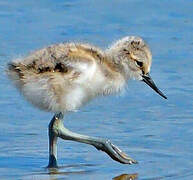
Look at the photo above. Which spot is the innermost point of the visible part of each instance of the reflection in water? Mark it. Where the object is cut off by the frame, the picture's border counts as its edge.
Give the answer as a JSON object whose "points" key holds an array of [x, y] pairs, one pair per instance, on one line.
{"points": [[61, 172], [53, 171], [57, 174], [69, 169], [126, 177]]}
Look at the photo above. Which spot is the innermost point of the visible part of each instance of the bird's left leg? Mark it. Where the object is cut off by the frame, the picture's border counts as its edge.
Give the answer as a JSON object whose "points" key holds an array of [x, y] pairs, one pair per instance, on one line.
{"points": [[101, 144], [52, 133]]}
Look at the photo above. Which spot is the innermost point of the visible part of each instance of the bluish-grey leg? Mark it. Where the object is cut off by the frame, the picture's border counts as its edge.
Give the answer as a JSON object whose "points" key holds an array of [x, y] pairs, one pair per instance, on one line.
{"points": [[57, 129], [53, 137]]}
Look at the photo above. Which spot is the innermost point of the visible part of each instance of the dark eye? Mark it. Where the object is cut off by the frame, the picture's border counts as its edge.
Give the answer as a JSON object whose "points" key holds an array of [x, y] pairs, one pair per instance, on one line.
{"points": [[139, 63]]}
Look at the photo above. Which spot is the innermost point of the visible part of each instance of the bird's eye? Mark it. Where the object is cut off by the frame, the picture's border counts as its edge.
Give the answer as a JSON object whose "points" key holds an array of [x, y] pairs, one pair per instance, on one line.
{"points": [[139, 63]]}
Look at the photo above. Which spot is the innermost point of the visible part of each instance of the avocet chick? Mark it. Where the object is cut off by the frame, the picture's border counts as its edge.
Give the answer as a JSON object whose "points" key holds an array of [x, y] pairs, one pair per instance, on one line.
{"points": [[63, 77]]}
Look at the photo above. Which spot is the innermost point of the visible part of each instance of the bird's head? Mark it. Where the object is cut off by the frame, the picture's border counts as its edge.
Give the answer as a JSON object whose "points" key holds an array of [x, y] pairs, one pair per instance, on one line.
{"points": [[135, 58]]}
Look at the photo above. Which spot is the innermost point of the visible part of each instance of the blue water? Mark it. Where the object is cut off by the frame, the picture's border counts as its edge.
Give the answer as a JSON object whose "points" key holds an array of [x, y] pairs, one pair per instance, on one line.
{"points": [[156, 132]]}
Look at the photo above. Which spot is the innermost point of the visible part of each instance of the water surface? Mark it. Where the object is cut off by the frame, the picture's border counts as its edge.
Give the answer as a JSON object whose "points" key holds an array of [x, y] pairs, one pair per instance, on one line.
{"points": [[156, 132]]}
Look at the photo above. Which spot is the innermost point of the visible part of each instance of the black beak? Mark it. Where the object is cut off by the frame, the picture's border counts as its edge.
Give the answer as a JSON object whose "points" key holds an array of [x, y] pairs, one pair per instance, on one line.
{"points": [[147, 79]]}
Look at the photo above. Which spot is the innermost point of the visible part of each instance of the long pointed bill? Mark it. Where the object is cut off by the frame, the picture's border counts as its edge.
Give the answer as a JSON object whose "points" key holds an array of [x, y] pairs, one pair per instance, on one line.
{"points": [[147, 79]]}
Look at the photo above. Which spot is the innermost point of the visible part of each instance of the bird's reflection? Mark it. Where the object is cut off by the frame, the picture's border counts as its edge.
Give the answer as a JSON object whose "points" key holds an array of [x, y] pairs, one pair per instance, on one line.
{"points": [[53, 172], [71, 170], [65, 169], [61, 172], [126, 177]]}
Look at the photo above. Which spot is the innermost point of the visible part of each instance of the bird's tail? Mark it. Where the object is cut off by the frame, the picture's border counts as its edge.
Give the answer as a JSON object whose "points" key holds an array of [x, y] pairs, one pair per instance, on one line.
{"points": [[15, 73]]}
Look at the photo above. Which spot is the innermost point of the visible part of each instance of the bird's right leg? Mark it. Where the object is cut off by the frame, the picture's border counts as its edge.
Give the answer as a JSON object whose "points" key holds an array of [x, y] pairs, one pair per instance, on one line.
{"points": [[57, 129]]}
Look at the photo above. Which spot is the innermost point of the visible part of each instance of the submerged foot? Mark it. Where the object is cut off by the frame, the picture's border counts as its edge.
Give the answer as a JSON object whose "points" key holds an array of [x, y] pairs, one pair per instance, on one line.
{"points": [[52, 162]]}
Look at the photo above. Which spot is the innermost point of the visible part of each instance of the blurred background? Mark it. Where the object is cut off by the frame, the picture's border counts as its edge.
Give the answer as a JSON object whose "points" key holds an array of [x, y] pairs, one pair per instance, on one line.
{"points": [[156, 132]]}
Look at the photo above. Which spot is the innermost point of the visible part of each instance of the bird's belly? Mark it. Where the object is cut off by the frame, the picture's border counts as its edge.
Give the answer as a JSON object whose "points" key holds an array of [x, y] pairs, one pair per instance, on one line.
{"points": [[76, 98], [57, 98]]}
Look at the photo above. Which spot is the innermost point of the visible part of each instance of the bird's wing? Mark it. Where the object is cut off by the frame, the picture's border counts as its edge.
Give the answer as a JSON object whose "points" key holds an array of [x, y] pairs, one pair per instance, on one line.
{"points": [[69, 60]]}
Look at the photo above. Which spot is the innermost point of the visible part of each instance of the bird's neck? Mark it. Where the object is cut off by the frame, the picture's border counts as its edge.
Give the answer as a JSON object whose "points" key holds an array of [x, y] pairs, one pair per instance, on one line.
{"points": [[115, 60], [115, 76]]}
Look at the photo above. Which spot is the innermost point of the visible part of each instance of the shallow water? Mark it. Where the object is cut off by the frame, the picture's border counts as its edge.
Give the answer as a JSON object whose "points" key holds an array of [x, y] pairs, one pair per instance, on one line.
{"points": [[156, 132]]}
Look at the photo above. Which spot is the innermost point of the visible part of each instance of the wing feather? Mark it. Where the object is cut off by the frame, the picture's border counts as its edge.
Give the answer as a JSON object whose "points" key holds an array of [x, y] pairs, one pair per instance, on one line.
{"points": [[63, 58]]}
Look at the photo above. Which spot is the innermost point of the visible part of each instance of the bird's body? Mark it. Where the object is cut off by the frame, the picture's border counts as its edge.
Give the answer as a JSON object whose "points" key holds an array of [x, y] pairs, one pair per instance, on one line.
{"points": [[63, 77]]}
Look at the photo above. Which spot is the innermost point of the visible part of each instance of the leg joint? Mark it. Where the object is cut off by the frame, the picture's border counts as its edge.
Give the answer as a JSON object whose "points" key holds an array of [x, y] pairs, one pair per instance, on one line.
{"points": [[54, 125]]}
